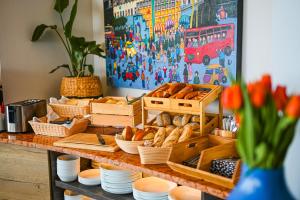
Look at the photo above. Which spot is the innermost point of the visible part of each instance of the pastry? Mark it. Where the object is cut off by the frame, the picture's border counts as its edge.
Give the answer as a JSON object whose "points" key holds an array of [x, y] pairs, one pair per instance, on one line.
{"points": [[181, 94], [127, 133], [191, 95], [159, 137], [172, 138], [139, 135], [194, 126], [160, 92], [174, 88], [186, 134], [149, 136], [195, 118], [169, 129], [185, 119], [177, 120]]}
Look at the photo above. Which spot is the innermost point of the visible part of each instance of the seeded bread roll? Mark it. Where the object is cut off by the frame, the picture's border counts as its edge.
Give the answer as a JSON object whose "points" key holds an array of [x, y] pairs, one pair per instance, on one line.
{"points": [[159, 137], [185, 119], [172, 138], [186, 134]]}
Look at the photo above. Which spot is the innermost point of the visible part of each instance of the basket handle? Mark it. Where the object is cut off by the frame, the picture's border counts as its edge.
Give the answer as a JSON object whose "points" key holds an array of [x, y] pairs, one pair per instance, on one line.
{"points": [[192, 145]]}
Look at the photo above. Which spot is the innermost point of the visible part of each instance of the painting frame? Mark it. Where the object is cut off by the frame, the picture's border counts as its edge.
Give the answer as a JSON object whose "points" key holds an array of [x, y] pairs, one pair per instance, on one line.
{"points": [[238, 50]]}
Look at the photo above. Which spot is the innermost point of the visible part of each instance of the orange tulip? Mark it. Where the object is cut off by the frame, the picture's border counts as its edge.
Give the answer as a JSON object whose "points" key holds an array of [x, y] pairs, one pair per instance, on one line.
{"points": [[232, 97], [258, 95], [280, 97], [293, 107], [267, 82], [250, 87]]}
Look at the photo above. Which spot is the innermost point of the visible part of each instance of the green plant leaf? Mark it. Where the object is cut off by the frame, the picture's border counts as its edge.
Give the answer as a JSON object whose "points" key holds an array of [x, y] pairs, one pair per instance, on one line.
{"points": [[69, 25], [78, 43], [261, 152], [61, 5], [91, 69], [60, 66], [39, 30]]}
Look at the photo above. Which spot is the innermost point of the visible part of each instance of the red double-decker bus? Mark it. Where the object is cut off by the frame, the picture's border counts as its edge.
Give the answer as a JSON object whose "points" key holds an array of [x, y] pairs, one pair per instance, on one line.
{"points": [[202, 44]]}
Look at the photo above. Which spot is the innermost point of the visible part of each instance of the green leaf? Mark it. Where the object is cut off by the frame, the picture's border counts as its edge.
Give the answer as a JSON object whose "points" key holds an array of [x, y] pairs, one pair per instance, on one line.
{"points": [[78, 43], [91, 69], [60, 66], [283, 124], [261, 152], [39, 30], [61, 5], [69, 25]]}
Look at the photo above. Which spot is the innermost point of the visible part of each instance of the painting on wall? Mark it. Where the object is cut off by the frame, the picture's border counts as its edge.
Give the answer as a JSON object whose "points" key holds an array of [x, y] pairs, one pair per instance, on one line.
{"points": [[151, 42]]}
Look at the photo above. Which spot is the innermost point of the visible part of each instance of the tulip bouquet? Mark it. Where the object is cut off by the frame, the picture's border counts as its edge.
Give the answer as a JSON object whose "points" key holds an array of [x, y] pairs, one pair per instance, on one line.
{"points": [[267, 121]]}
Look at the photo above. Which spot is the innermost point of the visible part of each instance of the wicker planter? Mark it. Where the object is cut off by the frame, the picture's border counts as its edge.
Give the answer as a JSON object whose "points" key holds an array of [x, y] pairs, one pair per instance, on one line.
{"points": [[81, 87]]}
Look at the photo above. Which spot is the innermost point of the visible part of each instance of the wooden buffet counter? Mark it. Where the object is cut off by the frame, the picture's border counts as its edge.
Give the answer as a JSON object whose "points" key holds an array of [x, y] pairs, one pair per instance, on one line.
{"points": [[119, 158]]}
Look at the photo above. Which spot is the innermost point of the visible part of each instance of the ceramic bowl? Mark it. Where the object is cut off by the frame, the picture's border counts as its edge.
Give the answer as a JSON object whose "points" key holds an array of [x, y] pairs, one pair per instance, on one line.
{"points": [[89, 177], [70, 195], [183, 192]]}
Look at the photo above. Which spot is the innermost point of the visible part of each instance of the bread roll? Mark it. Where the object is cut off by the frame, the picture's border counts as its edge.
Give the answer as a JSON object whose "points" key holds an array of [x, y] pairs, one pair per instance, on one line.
{"points": [[172, 138], [186, 134], [159, 137], [181, 94], [149, 136], [174, 88], [185, 119], [160, 91], [194, 126], [177, 120], [195, 118], [72, 102], [163, 119], [127, 133], [139, 135], [191, 95], [169, 129]]}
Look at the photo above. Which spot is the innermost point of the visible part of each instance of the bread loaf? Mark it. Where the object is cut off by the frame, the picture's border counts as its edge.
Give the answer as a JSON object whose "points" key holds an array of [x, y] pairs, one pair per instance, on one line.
{"points": [[163, 119], [185, 119], [160, 91], [187, 89], [195, 118], [139, 135], [186, 134], [177, 120], [159, 137], [127, 133], [172, 138], [149, 136], [194, 126], [169, 129], [191, 95]]}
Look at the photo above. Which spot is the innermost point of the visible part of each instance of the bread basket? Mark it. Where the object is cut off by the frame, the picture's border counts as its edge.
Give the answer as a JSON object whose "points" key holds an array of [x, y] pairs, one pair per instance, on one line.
{"points": [[65, 110], [154, 155], [130, 147]]}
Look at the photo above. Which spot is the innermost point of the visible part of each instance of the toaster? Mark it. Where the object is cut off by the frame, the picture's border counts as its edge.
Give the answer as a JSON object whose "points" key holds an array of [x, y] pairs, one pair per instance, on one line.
{"points": [[18, 114]]}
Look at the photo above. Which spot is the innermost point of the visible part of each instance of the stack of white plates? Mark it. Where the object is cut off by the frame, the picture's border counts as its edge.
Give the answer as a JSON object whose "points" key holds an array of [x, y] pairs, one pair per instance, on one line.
{"points": [[89, 177], [117, 181], [152, 188], [184, 193]]}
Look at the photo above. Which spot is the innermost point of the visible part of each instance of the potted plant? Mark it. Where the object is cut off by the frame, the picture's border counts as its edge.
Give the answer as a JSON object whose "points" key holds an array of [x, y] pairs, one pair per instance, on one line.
{"points": [[81, 81], [267, 126]]}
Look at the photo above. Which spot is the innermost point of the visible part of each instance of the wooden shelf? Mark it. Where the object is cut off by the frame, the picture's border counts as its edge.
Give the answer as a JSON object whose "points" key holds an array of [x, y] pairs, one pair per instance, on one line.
{"points": [[95, 192]]}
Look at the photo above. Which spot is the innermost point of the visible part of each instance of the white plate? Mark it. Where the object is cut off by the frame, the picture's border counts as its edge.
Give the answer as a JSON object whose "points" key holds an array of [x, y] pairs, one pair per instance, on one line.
{"points": [[153, 186], [138, 196], [89, 177], [116, 191], [184, 193]]}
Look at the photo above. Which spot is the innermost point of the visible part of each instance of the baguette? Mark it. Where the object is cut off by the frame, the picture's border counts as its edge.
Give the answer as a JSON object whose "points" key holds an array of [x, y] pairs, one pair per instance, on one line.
{"points": [[169, 129], [191, 95], [185, 119], [174, 88], [186, 134], [172, 138], [159, 137], [181, 94], [160, 91]]}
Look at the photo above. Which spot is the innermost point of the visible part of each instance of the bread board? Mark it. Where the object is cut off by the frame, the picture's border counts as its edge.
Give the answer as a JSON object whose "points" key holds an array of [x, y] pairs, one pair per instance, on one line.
{"points": [[88, 141]]}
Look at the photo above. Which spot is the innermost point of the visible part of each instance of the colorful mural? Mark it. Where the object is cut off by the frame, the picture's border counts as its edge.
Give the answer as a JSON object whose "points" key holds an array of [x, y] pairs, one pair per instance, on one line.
{"points": [[151, 42]]}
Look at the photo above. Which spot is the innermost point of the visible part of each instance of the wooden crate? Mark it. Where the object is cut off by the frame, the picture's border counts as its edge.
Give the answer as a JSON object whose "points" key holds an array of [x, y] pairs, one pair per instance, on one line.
{"points": [[180, 105], [183, 106], [105, 114], [208, 127], [224, 148]]}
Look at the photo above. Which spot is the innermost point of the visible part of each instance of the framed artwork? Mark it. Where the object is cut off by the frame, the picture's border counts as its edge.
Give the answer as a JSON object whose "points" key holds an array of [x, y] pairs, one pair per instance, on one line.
{"points": [[151, 42]]}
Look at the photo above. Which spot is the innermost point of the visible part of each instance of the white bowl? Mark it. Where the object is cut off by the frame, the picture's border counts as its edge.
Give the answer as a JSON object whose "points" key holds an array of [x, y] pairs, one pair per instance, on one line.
{"points": [[89, 177], [67, 159], [67, 178], [184, 193], [153, 187], [130, 147]]}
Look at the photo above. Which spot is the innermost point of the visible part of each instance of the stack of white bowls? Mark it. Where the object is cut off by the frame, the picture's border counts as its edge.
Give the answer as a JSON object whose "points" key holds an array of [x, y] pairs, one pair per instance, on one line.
{"points": [[68, 167], [152, 188], [117, 181]]}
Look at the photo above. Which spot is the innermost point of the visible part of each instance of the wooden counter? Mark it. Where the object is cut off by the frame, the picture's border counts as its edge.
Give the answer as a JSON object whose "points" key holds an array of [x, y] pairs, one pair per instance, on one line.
{"points": [[120, 158]]}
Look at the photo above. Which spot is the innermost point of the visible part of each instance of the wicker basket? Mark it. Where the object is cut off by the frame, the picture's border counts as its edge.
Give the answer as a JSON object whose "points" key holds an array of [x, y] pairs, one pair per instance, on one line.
{"points": [[65, 110], [154, 155], [81, 87], [55, 130], [128, 146]]}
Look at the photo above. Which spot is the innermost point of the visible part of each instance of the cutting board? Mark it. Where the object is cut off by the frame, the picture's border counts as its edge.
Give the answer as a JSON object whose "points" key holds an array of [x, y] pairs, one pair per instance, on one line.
{"points": [[88, 141]]}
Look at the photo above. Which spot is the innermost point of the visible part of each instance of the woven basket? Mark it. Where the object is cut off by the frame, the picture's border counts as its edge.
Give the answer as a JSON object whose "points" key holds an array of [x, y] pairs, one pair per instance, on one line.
{"points": [[128, 146], [81, 87], [70, 111], [154, 155], [56, 130]]}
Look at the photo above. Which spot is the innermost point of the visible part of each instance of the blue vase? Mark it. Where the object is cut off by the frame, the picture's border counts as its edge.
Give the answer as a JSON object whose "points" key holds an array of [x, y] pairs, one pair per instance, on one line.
{"points": [[257, 184]]}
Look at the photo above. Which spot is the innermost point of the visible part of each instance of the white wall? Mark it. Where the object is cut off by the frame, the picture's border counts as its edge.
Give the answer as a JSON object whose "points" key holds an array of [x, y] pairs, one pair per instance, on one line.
{"points": [[271, 44], [25, 65]]}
